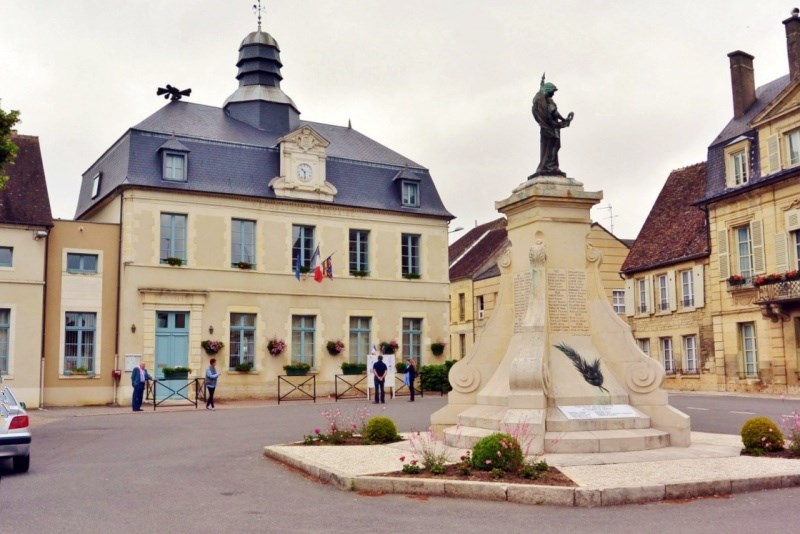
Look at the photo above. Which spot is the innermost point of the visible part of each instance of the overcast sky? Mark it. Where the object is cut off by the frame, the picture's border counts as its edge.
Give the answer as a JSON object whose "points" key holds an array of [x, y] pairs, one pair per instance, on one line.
{"points": [[447, 83]]}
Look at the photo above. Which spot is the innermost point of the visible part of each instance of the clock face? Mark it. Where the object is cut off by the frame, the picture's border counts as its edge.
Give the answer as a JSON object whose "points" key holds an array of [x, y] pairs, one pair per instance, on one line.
{"points": [[304, 172]]}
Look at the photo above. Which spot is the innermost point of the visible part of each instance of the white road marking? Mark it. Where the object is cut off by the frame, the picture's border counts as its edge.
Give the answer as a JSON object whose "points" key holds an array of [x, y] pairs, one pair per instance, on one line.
{"points": [[693, 408], [744, 413]]}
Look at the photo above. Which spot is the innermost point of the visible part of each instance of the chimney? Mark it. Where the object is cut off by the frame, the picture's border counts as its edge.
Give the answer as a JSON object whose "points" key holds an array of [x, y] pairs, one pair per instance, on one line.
{"points": [[743, 82], [793, 43]]}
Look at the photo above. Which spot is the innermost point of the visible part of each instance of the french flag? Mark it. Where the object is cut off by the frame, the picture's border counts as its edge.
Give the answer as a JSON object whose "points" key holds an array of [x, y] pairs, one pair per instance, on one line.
{"points": [[317, 267]]}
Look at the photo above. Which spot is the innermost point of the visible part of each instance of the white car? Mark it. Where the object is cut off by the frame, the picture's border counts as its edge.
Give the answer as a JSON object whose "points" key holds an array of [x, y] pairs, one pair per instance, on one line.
{"points": [[15, 433]]}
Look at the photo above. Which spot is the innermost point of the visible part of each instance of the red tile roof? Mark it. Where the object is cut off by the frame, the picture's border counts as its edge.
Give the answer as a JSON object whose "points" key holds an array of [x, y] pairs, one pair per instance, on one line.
{"points": [[24, 199], [477, 250], [675, 230]]}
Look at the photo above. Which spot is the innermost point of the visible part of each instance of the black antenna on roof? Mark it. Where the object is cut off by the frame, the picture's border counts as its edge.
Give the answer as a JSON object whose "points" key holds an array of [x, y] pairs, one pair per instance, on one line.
{"points": [[349, 124], [258, 9], [173, 93]]}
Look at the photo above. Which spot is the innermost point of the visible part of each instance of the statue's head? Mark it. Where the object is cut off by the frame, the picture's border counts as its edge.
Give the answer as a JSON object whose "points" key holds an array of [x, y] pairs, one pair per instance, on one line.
{"points": [[548, 89]]}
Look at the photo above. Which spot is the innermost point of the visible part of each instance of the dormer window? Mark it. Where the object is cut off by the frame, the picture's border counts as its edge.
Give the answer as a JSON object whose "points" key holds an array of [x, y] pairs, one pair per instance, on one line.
{"points": [[410, 194], [737, 162], [793, 140], [739, 167], [174, 160], [175, 166], [96, 184]]}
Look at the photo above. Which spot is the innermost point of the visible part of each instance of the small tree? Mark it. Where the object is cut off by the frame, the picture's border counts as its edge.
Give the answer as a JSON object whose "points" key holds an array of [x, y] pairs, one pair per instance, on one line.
{"points": [[8, 150]]}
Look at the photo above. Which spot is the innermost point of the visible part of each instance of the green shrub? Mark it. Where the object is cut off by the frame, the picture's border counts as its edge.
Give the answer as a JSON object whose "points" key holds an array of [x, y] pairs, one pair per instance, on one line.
{"points": [[760, 434], [435, 377], [381, 430], [498, 451]]}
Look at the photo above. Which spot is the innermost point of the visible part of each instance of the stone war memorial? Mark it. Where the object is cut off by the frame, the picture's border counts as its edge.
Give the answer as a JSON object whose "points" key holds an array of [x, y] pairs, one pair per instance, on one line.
{"points": [[554, 365]]}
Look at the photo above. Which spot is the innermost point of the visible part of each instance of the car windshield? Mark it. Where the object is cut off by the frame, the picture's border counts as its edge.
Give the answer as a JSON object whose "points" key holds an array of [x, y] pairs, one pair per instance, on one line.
{"points": [[7, 397]]}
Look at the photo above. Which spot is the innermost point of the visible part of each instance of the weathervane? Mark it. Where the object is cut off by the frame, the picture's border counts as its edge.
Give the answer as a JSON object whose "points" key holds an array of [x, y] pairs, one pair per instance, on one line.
{"points": [[173, 93], [258, 9]]}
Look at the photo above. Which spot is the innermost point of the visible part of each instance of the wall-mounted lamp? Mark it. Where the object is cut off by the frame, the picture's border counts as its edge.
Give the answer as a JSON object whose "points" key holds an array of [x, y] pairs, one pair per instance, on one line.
{"points": [[211, 329], [454, 230], [39, 234], [133, 328]]}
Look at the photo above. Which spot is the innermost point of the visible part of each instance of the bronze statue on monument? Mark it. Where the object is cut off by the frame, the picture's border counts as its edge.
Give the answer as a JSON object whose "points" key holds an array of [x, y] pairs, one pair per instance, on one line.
{"points": [[550, 122]]}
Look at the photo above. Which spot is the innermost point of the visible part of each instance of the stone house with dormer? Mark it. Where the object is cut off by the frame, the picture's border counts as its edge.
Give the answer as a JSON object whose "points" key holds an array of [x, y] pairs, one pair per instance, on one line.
{"points": [[224, 213], [752, 199], [25, 222], [665, 280]]}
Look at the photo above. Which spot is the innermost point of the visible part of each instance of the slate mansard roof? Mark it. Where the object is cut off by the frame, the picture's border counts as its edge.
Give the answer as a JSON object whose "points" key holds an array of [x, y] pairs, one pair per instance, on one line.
{"points": [[235, 149], [24, 200], [736, 128], [675, 230]]}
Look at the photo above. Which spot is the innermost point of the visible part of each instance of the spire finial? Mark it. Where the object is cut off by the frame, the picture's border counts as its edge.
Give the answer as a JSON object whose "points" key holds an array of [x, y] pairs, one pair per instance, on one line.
{"points": [[258, 9]]}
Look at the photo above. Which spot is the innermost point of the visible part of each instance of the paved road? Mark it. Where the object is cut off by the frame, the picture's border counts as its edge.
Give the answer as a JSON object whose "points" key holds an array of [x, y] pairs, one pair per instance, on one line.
{"points": [[725, 414], [198, 471]]}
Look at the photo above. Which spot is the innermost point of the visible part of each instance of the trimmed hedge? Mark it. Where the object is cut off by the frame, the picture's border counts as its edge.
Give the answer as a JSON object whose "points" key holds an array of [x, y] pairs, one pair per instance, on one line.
{"points": [[435, 377]]}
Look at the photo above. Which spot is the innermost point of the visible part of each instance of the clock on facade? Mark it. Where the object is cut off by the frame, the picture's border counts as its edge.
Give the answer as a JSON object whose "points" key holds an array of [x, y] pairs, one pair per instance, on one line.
{"points": [[304, 172]]}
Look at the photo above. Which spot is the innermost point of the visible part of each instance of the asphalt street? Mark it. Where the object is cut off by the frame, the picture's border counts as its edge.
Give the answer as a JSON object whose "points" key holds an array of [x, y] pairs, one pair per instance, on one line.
{"points": [[187, 470]]}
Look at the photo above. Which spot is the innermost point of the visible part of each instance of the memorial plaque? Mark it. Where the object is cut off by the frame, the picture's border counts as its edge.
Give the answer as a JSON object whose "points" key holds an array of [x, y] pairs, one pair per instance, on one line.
{"points": [[523, 285], [566, 301], [598, 411]]}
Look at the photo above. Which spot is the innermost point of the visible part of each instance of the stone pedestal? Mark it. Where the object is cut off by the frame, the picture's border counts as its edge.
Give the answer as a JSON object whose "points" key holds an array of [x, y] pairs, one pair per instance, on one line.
{"points": [[551, 318]]}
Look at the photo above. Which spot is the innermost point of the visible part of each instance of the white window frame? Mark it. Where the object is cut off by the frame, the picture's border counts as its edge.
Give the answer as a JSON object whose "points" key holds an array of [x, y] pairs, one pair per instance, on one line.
{"points": [[96, 184], [304, 333], [172, 172], [480, 305], [410, 248], [81, 258], [744, 250], [242, 339], [9, 252], [667, 354], [749, 349], [643, 299], [687, 288], [793, 147], [82, 332], [412, 338], [410, 194], [359, 250], [6, 317], [618, 300], [173, 237], [243, 242], [663, 293], [360, 338], [644, 345], [737, 162], [690, 354]]}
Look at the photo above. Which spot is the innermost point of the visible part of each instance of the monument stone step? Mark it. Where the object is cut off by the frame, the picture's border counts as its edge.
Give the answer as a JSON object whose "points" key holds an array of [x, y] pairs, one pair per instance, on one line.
{"points": [[464, 437], [557, 421], [626, 440], [483, 416]]}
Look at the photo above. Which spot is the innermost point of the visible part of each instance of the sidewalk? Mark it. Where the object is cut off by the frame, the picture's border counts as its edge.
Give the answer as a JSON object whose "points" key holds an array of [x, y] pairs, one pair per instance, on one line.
{"points": [[711, 466]]}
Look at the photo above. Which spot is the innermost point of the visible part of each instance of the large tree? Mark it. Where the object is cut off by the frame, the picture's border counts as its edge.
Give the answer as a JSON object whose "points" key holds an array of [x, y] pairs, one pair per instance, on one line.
{"points": [[8, 150]]}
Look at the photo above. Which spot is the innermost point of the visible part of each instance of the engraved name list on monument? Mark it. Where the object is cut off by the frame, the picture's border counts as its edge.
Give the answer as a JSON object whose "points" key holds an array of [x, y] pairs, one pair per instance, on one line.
{"points": [[523, 285], [566, 301]]}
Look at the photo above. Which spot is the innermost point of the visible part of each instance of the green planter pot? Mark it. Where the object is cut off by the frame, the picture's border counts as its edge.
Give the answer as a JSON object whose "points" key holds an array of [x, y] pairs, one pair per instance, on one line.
{"points": [[180, 375], [296, 372]]}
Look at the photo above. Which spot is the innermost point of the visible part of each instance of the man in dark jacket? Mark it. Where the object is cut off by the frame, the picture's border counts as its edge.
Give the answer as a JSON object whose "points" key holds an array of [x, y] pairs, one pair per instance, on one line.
{"points": [[379, 370]]}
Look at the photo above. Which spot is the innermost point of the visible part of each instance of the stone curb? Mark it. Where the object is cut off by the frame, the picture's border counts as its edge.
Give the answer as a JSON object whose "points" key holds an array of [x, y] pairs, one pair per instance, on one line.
{"points": [[586, 497]]}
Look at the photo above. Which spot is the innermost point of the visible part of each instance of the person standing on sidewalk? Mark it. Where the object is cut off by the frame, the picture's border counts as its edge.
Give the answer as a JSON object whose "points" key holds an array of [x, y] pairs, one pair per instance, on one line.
{"points": [[411, 375], [139, 378], [379, 371], [211, 383]]}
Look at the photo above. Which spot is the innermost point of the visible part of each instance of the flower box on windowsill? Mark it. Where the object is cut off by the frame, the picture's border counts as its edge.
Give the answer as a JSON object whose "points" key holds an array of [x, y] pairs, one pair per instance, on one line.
{"points": [[297, 369], [175, 262], [359, 274], [244, 265], [411, 276]]}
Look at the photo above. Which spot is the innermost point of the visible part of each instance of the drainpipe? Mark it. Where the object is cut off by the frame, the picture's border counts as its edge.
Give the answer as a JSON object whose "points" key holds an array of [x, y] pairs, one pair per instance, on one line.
{"points": [[44, 315], [119, 291]]}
